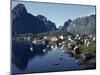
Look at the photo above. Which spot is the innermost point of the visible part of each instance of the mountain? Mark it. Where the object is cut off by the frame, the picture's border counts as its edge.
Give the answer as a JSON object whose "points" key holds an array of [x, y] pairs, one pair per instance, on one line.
{"points": [[83, 25], [49, 24], [18, 11], [24, 22], [60, 28], [66, 24]]}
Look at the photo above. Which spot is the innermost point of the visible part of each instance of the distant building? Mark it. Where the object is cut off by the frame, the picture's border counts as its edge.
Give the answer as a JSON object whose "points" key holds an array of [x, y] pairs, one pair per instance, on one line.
{"points": [[45, 37], [61, 37], [53, 39]]}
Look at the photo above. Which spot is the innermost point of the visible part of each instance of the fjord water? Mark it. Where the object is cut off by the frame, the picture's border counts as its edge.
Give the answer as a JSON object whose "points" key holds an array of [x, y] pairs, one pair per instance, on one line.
{"points": [[39, 60]]}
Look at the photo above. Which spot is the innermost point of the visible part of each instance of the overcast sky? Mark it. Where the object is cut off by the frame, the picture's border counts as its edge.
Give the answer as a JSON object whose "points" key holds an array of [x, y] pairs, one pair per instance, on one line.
{"points": [[58, 13]]}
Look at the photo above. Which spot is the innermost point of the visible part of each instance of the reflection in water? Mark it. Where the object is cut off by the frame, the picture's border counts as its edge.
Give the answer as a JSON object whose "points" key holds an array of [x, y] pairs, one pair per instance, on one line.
{"points": [[21, 53], [28, 57]]}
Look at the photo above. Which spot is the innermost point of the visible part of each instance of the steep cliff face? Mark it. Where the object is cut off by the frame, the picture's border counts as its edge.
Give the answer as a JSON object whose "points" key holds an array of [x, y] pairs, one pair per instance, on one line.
{"points": [[83, 25], [49, 24], [24, 22], [66, 24]]}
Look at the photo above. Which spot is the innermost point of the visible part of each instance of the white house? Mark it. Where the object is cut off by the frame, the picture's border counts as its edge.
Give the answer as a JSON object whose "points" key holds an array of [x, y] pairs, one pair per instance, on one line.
{"points": [[53, 39]]}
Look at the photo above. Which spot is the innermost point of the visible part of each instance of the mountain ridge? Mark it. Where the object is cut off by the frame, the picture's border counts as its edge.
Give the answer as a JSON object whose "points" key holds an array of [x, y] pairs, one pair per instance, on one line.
{"points": [[24, 22], [81, 25]]}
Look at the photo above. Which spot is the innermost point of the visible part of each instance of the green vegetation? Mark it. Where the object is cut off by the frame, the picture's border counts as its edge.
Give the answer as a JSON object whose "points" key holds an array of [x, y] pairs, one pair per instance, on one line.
{"points": [[54, 33], [88, 49]]}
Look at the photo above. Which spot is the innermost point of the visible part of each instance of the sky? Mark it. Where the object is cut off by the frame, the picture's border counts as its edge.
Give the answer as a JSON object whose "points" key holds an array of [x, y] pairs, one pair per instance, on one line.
{"points": [[57, 13]]}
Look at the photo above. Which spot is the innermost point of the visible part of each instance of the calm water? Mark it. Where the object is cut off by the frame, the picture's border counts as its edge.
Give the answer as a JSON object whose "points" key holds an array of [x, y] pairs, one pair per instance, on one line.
{"points": [[40, 60]]}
